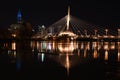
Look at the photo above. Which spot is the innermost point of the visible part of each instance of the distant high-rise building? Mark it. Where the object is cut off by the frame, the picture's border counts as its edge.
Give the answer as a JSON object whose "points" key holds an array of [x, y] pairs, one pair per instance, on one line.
{"points": [[16, 28], [40, 31]]}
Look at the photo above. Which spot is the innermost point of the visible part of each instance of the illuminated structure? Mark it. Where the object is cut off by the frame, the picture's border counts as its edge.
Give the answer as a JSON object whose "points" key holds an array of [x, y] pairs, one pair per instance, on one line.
{"points": [[15, 28], [62, 28], [73, 28], [40, 32], [19, 17], [72, 53], [67, 32]]}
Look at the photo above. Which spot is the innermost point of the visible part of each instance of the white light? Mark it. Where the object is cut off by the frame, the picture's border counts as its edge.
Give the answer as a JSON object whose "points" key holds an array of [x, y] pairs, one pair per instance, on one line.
{"points": [[42, 57], [68, 18]]}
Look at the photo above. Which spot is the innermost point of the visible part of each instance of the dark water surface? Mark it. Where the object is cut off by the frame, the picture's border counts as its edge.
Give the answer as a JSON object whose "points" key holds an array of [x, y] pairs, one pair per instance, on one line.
{"points": [[49, 60]]}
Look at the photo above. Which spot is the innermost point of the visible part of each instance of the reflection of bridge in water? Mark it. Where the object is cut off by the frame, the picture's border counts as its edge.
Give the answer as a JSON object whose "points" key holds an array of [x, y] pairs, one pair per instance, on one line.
{"points": [[72, 53], [73, 28], [73, 48]]}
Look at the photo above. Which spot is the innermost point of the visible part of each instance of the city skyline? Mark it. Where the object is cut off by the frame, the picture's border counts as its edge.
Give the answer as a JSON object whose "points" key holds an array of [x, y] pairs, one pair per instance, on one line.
{"points": [[47, 12]]}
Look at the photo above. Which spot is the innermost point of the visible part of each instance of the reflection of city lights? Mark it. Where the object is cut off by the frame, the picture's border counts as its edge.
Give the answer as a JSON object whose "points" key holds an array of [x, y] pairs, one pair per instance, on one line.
{"points": [[87, 46], [78, 52], [18, 64], [38, 46], [5, 45], [14, 53], [82, 45], [112, 47], [33, 44], [94, 45], [69, 47], [49, 46], [39, 56], [44, 45], [13, 46], [66, 49], [14, 35], [95, 55], [118, 56], [53, 46], [118, 51], [99, 46], [67, 64], [85, 54], [106, 55], [79, 48], [106, 47], [42, 57]]}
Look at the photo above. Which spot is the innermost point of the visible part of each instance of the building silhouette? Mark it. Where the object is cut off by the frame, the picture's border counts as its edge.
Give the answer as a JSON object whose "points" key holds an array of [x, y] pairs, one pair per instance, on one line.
{"points": [[20, 29], [15, 28]]}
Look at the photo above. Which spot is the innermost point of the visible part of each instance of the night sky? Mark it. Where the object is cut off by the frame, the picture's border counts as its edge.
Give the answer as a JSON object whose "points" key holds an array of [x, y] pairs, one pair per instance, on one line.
{"points": [[49, 11]]}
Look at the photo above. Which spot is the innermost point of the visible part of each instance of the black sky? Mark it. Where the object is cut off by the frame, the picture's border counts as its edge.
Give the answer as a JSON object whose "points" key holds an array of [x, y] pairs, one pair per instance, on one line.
{"points": [[49, 11]]}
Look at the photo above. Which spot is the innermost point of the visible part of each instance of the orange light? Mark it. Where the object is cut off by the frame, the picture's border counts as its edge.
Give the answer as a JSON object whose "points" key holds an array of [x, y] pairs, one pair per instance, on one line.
{"points": [[14, 35]]}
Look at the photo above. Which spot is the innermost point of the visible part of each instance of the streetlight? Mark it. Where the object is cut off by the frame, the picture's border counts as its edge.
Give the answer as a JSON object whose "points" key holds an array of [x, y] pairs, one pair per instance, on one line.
{"points": [[106, 30]]}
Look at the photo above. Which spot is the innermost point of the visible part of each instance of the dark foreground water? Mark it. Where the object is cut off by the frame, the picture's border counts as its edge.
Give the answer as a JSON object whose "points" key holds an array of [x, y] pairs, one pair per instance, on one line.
{"points": [[48, 60]]}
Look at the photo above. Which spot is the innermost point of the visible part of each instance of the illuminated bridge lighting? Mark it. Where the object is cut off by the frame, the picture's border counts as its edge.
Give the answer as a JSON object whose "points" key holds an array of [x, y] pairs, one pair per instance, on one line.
{"points": [[72, 27]]}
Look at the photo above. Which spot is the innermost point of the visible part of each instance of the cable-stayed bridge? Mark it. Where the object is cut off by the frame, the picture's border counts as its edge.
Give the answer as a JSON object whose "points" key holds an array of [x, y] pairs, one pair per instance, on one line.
{"points": [[72, 27]]}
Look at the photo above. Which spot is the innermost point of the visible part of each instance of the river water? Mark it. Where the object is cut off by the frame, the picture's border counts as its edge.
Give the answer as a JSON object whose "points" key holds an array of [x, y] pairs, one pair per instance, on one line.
{"points": [[50, 60]]}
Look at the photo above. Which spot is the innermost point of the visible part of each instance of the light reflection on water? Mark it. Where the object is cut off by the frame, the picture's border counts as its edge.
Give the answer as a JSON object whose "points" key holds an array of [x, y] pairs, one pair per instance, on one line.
{"points": [[77, 48], [83, 50], [67, 54]]}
